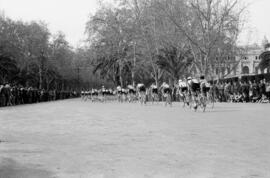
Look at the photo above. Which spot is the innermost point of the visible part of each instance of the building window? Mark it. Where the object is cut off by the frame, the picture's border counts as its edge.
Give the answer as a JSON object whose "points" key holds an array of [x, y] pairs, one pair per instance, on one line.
{"points": [[245, 70]]}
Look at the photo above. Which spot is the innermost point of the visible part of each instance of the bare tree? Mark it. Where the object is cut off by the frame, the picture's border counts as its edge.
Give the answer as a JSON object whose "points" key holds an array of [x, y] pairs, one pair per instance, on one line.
{"points": [[209, 26]]}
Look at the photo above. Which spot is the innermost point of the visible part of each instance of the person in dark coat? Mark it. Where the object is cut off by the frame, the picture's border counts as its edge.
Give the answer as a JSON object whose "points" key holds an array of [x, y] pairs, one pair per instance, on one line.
{"points": [[2, 96]]}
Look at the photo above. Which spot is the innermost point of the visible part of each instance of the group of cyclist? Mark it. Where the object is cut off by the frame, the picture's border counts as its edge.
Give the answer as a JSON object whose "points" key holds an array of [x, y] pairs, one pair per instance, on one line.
{"points": [[196, 92], [193, 92], [97, 94]]}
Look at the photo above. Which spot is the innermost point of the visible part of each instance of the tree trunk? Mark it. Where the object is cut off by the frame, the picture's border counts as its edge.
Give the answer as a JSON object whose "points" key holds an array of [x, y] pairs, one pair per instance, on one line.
{"points": [[134, 64], [156, 80], [63, 85], [120, 73], [40, 78], [48, 83], [132, 77]]}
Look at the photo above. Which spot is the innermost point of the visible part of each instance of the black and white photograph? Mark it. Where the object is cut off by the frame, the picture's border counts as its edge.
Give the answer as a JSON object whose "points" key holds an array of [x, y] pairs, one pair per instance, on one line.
{"points": [[134, 88]]}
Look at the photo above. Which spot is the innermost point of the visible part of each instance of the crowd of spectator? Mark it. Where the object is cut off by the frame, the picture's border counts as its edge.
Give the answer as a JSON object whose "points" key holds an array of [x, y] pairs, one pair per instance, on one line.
{"points": [[242, 91], [14, 95], [255, 91]]}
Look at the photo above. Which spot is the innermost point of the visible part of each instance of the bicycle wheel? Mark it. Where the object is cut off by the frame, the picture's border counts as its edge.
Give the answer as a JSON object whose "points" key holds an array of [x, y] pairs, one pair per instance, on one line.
{"points": [[143, 99], [202, 102], [212, 102], [192, 103], [169, 100], [184, 100]]}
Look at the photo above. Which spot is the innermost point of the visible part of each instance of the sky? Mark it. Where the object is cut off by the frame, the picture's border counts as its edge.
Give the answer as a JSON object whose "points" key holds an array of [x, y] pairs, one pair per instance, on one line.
{"points": [[70, 17]]}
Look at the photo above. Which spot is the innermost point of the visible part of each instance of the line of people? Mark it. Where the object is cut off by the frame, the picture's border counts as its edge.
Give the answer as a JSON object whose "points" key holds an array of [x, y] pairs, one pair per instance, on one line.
{"points": [[243, 91], [230, 91], [130, 94], [17, 95]]}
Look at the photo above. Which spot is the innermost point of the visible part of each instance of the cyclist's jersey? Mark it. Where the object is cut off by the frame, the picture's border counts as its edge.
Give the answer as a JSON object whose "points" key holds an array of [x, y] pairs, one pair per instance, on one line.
{"points": [[194, 85], [89, 92], [131, 91], [203, 86], [123, 91], [141, 87], [208, 86], [154, 89], [183, 86], [94, 92], [119, 90], [166, 88], [103, 91]]}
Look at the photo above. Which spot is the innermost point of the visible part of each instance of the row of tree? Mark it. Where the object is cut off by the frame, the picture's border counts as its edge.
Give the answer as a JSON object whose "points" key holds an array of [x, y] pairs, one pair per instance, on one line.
{"points": [[132, 41], [31, 56], [163, 40]]}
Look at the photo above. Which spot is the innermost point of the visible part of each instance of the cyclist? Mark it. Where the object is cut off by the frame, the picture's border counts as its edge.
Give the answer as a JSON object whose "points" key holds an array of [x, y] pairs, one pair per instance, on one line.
{"points": [[167, 93], [204, 86], [131, 93], [119, 93], [194, 89], [124, 93], [154, 93], [183, 91], [103, 94], [82, 94], [142, 93]]}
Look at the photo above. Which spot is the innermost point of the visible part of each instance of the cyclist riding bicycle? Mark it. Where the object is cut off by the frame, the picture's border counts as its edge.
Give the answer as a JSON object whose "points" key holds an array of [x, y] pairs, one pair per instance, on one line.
{"points": [[119, 93], [142, 93], [167, 93], [203, 86], [183, 91], [194, 89], [154, 92], [131, 93]]}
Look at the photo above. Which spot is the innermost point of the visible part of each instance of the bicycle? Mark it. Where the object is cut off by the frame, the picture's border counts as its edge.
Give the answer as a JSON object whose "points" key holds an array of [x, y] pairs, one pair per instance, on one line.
{"points": [[204, 100], [154, 98], [142, 98], [168, 99], [187, 100]]}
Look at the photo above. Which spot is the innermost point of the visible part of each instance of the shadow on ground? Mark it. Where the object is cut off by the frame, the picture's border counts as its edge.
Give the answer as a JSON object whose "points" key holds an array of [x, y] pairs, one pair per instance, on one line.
{"points": [[11, 169]]}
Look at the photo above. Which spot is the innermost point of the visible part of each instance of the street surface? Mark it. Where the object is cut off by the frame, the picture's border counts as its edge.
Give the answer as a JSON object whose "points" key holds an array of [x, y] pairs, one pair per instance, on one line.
{"points": [[77, 139]]}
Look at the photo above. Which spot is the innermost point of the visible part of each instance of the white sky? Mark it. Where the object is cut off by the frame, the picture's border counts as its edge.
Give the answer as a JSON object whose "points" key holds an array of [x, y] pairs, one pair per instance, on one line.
{"points": [[70, 16]]}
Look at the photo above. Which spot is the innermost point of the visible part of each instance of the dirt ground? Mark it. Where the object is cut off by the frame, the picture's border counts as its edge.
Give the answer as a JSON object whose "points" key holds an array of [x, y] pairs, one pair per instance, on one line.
{"points": [[76, 139]]}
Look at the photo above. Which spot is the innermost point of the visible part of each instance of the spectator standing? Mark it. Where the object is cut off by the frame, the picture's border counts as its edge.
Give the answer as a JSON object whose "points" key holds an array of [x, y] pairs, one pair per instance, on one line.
{"points": [[262, 88]]}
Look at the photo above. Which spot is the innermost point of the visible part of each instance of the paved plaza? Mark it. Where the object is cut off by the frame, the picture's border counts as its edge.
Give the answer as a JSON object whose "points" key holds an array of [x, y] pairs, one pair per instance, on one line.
{"points": [[76, 139]]}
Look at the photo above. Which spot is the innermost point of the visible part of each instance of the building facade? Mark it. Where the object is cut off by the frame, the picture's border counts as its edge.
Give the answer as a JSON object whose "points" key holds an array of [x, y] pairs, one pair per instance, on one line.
{"points": [[250, 60], [247, 63]]}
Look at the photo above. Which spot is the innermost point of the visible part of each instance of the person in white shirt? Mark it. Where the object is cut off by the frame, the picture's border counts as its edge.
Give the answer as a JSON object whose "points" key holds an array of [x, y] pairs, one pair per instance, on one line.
{"points": [[154, 93], [167, 93], [142, 93]]}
